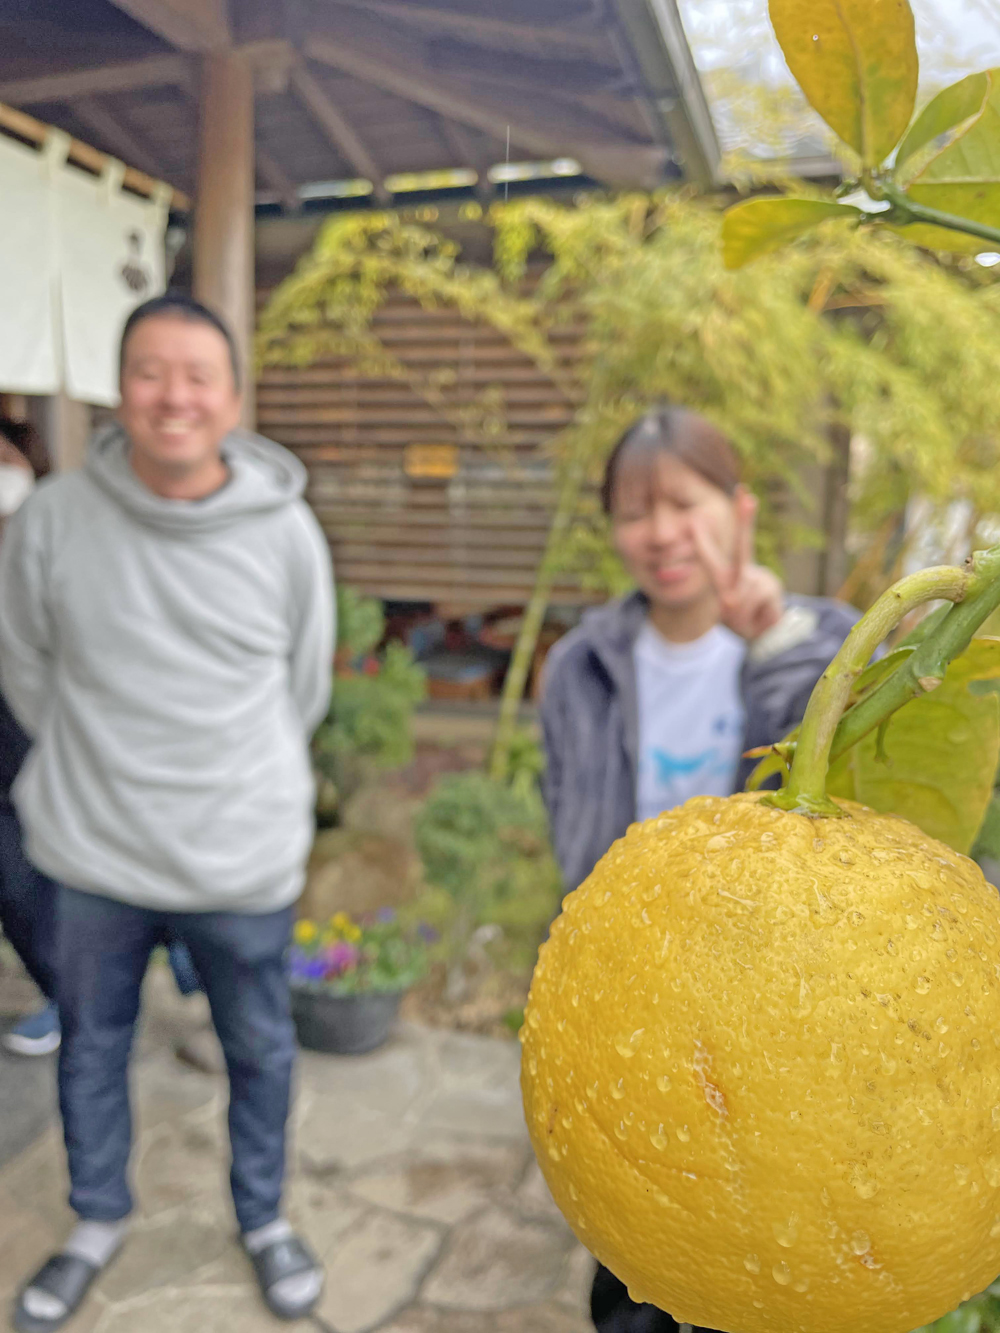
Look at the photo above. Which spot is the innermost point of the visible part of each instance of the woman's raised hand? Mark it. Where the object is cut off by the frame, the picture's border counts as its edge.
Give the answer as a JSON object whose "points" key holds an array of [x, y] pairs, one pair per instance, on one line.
{"points": [[751, 598]]}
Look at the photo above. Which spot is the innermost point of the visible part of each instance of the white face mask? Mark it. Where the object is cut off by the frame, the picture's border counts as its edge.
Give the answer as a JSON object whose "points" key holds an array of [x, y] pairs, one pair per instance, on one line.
{"points": [[16, 484]]}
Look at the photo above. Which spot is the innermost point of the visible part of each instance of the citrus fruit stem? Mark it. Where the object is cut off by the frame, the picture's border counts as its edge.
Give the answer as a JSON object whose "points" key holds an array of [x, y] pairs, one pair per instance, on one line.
{"points": [[977, 585]]}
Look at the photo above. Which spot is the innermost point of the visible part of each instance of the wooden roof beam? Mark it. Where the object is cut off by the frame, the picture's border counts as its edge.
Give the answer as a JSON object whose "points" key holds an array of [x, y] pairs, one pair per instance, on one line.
{"points": [[100, 122], [544, 126], [123, 78], [35, 131], [472, 15], [276, 178], [201, 26], [466, 152], [338, 129], [553, 74]]}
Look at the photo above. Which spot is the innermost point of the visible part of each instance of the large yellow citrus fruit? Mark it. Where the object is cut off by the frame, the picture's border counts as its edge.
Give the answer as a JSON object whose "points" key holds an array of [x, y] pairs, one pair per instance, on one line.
{"points": [[761, 1069]]}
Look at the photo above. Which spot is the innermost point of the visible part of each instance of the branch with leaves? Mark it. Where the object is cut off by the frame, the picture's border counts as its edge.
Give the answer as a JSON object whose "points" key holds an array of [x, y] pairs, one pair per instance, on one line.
{"points": [[936, 180]]}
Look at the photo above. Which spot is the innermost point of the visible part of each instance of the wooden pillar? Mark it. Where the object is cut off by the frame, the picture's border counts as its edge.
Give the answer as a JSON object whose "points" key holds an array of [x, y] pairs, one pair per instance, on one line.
{"points": [[64, 426], [13, 405], [224, 216]]}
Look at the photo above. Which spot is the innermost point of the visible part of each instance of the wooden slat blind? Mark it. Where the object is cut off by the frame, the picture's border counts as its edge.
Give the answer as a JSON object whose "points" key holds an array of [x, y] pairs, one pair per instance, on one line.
{"points": [[473, 541]]}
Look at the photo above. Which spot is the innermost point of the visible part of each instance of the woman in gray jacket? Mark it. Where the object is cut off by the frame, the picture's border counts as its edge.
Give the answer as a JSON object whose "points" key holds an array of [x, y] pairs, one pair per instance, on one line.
{"points": [[656, 696]]}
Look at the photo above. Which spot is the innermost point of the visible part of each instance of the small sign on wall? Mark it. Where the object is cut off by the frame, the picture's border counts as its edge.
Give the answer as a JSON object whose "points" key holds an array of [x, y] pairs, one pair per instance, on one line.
{"points": [[431, 462]]}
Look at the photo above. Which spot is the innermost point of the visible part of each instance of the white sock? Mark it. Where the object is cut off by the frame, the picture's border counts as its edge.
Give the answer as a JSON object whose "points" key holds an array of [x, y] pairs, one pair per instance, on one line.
{"points": [[97, 1243], [295, 1293]]}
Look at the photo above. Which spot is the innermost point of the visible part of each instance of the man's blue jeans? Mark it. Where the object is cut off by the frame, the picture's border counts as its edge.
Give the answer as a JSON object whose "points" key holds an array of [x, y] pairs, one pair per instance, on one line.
{"points": [[104, 948]]}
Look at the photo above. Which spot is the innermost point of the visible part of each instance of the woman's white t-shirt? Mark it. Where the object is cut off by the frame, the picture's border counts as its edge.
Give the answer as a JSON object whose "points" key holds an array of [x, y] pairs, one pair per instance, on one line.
{"points": [[691, 717]]}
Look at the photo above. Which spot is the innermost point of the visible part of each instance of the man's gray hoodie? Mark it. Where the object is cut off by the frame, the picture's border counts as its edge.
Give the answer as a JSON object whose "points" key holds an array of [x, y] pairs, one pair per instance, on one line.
{"points": [[170, 659]]}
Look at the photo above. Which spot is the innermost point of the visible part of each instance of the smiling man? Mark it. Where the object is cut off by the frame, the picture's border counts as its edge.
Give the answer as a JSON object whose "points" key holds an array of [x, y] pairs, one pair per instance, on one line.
{"points": [[166, 637]]}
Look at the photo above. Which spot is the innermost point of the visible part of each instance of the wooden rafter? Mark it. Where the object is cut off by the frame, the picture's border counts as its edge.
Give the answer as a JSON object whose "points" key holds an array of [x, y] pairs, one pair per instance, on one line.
{"points": [[473, 17], [514, 69], [156, 71], [120, 140], [190, 25], [337, 128], [35, 131], [460, 144], [274, 175], [545, 126]]}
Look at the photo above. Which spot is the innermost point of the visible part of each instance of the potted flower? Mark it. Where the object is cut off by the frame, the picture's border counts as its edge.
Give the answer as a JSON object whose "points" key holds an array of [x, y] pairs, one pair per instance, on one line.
{"points": [[349, 976]]}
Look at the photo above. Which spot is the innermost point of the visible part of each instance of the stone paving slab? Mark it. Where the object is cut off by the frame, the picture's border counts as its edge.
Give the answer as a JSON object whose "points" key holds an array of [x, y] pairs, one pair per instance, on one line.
{"points": [[412, 1177]]}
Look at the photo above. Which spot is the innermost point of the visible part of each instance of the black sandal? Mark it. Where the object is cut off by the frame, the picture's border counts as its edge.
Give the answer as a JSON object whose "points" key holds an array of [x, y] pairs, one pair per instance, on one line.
{"points": [[281, 1259], [67, 1278]]}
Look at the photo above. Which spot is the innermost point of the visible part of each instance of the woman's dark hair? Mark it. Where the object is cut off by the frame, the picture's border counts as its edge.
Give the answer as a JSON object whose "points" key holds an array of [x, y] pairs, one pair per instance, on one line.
{"points": [[685, 435], [178, 305], [27, 441]]}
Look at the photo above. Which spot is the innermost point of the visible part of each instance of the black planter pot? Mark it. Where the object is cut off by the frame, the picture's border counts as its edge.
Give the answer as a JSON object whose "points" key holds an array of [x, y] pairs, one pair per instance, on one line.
{"points": [[343, 1024]]}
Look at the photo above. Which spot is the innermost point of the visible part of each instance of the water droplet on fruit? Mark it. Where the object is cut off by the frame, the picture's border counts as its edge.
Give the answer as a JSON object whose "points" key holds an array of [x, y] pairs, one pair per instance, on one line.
{"points": [[663, 1083], [786, 1233], [862, 1181], [782, 1274], [659, 1141], [752, 1263], [940, 1025], [860, 1242], [620, 1131], [802, 1285], [684, 1134], [617, 1090], [957, 979], [574, 1193], [923, 985]]}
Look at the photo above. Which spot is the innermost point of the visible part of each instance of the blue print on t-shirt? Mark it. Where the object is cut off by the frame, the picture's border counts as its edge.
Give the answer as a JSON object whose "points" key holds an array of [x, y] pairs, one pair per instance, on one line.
{"points": [[670, 766]]}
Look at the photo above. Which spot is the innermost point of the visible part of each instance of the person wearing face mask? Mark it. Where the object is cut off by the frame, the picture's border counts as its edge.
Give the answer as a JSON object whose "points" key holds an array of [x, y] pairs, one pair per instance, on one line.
{"points": [[27, 897], [656, 697]]}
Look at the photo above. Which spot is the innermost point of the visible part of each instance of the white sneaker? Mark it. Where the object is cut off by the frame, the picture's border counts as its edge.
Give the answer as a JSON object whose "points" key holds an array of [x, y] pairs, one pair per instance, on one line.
{"points": [[38, 1034]]}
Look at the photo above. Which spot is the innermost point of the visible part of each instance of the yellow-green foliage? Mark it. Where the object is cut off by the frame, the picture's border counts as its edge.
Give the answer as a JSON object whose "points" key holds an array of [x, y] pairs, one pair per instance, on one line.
{"points": [[846, 325]]}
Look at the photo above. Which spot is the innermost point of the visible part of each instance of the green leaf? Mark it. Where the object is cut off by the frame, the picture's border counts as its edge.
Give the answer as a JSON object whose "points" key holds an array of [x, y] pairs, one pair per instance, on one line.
{"points": [[973, 157], [856, 62], [945, 114], [877, 671], [942, 750], [988, 838], [965, 1319], [979, 201], [963, 176], [758, 226]]}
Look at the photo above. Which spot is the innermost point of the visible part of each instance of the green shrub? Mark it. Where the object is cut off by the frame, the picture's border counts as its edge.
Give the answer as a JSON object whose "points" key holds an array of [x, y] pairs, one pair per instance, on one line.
{"points": [[485, 843], [360, 622], [371, 709], [370, 713]]}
